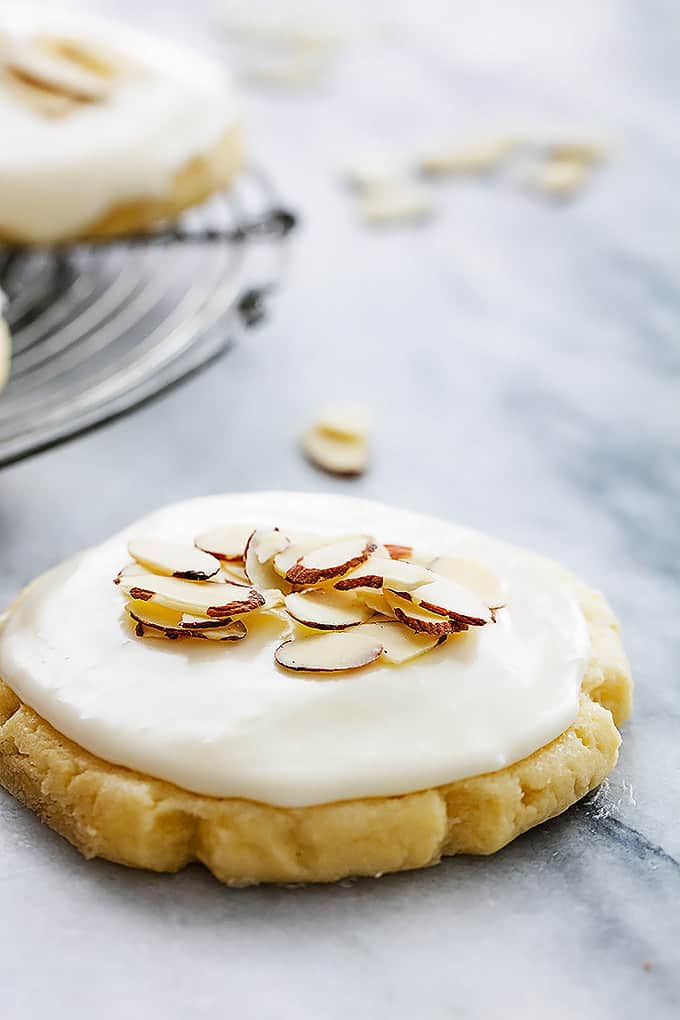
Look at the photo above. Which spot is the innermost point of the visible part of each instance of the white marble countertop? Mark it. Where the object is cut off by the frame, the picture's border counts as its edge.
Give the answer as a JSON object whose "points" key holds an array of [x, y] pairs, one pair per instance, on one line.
{"points": [[522, 362]]}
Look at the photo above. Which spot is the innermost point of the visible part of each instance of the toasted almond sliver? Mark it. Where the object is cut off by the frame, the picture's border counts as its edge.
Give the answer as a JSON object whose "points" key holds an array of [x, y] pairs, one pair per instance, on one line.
{"points": [[447, 598], [173, 559], [225, 543], [378, 572], [283, 561], [329, 653], [332, 560], [260, 571], [204, 598], [399, 552], [479, 579], [418, 619], [400, 644], [326, 609]]}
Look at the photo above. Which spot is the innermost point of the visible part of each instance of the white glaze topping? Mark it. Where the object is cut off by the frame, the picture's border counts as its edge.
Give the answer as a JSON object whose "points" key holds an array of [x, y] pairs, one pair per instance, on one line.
{"points": [[164, 105], [228, 722]]}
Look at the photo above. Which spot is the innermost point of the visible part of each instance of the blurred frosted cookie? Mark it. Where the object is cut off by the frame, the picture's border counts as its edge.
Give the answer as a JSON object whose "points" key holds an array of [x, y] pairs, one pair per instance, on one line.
{"points": [[106, 130]]}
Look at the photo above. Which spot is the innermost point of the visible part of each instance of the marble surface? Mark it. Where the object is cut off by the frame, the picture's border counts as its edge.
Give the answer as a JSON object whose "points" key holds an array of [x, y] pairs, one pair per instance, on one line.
{"points": [[522, 363]]}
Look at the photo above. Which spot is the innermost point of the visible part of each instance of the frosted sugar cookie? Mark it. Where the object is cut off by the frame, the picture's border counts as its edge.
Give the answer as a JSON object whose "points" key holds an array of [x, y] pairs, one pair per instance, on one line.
{"points": [[297, 687], [106, 130]]}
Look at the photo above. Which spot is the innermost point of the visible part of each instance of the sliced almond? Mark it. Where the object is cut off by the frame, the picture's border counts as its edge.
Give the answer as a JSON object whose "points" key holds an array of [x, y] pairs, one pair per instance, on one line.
{"points": [[225, 543], [385, 573], [155, 618], [577, 152], [471, 575], [273, 599], [400, 644], [337, 455], [476, 158], [560, 178], [283, 561], [418, 619], [447, 598], [329, 561], [189, 621], [376, 601], [55, 74], [329, 653], [197, 598], [129, 570], [233, 572], [173, 559], [236, 630], [262, 546], [395, 202], [399, 552], [326, 610], [345, 421]]}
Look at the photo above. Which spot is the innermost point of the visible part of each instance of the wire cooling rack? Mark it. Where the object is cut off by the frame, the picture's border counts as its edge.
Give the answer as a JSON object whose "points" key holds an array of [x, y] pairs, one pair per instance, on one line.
{"points": [[99, 327]]}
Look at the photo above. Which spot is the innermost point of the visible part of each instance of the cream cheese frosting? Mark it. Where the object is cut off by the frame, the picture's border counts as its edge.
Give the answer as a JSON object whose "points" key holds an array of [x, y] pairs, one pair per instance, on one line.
{"points": [[164, 105], [228, 722]]}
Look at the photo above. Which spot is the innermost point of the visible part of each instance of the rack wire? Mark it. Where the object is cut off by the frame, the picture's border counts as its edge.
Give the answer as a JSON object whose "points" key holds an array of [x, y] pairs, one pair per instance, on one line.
{"points": [[97, 328]]}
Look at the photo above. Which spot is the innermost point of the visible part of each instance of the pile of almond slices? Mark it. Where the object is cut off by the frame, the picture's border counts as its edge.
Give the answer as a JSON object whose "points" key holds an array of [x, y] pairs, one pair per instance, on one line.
{"points": [[346, 602]]}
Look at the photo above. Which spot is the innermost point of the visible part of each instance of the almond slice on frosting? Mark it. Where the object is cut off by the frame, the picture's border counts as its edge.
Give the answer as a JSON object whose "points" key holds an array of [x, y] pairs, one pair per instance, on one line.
{"points": [[471, 575], [262, 546], [198, 598], [400, 644], [326, 610], [378, 572], [157, 618], [173, 559], [329, 653], [329, 561], [225, 543], [55, 74], [447, 598], [283, 561], [418, 619], [129, 570], [399, 552]]}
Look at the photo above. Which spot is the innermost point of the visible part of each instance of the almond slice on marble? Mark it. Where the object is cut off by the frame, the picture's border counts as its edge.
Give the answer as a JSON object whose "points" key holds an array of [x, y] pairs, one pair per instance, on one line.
{"points": [[332, 560], [395, 202], [418, 619], [326, 610], [471, 158], [560, 178], [173, 559], [378, 572], [225, 543], [335, 454], [444, 597], [263, 545], [329, 653], [345, 421], [204, 598], [472, 575], [400, 644]]}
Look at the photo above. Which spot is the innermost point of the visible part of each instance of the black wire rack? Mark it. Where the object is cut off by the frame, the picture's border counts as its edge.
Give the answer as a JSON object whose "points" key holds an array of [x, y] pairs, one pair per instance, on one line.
{"points": [[97, 328]]}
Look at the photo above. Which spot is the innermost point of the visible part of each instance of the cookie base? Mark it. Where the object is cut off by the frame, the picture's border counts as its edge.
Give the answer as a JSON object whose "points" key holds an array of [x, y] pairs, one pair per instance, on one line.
{"points": [[133, 819], [196, 181]]}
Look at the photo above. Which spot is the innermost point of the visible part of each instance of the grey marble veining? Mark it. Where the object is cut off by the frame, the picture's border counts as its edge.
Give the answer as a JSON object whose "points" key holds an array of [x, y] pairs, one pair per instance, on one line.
{"points": [[522, 362]]}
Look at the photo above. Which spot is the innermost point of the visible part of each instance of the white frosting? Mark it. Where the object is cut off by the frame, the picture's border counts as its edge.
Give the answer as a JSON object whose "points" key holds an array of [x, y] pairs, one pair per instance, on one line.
{"points": [[60, 174], [226, 721]]}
